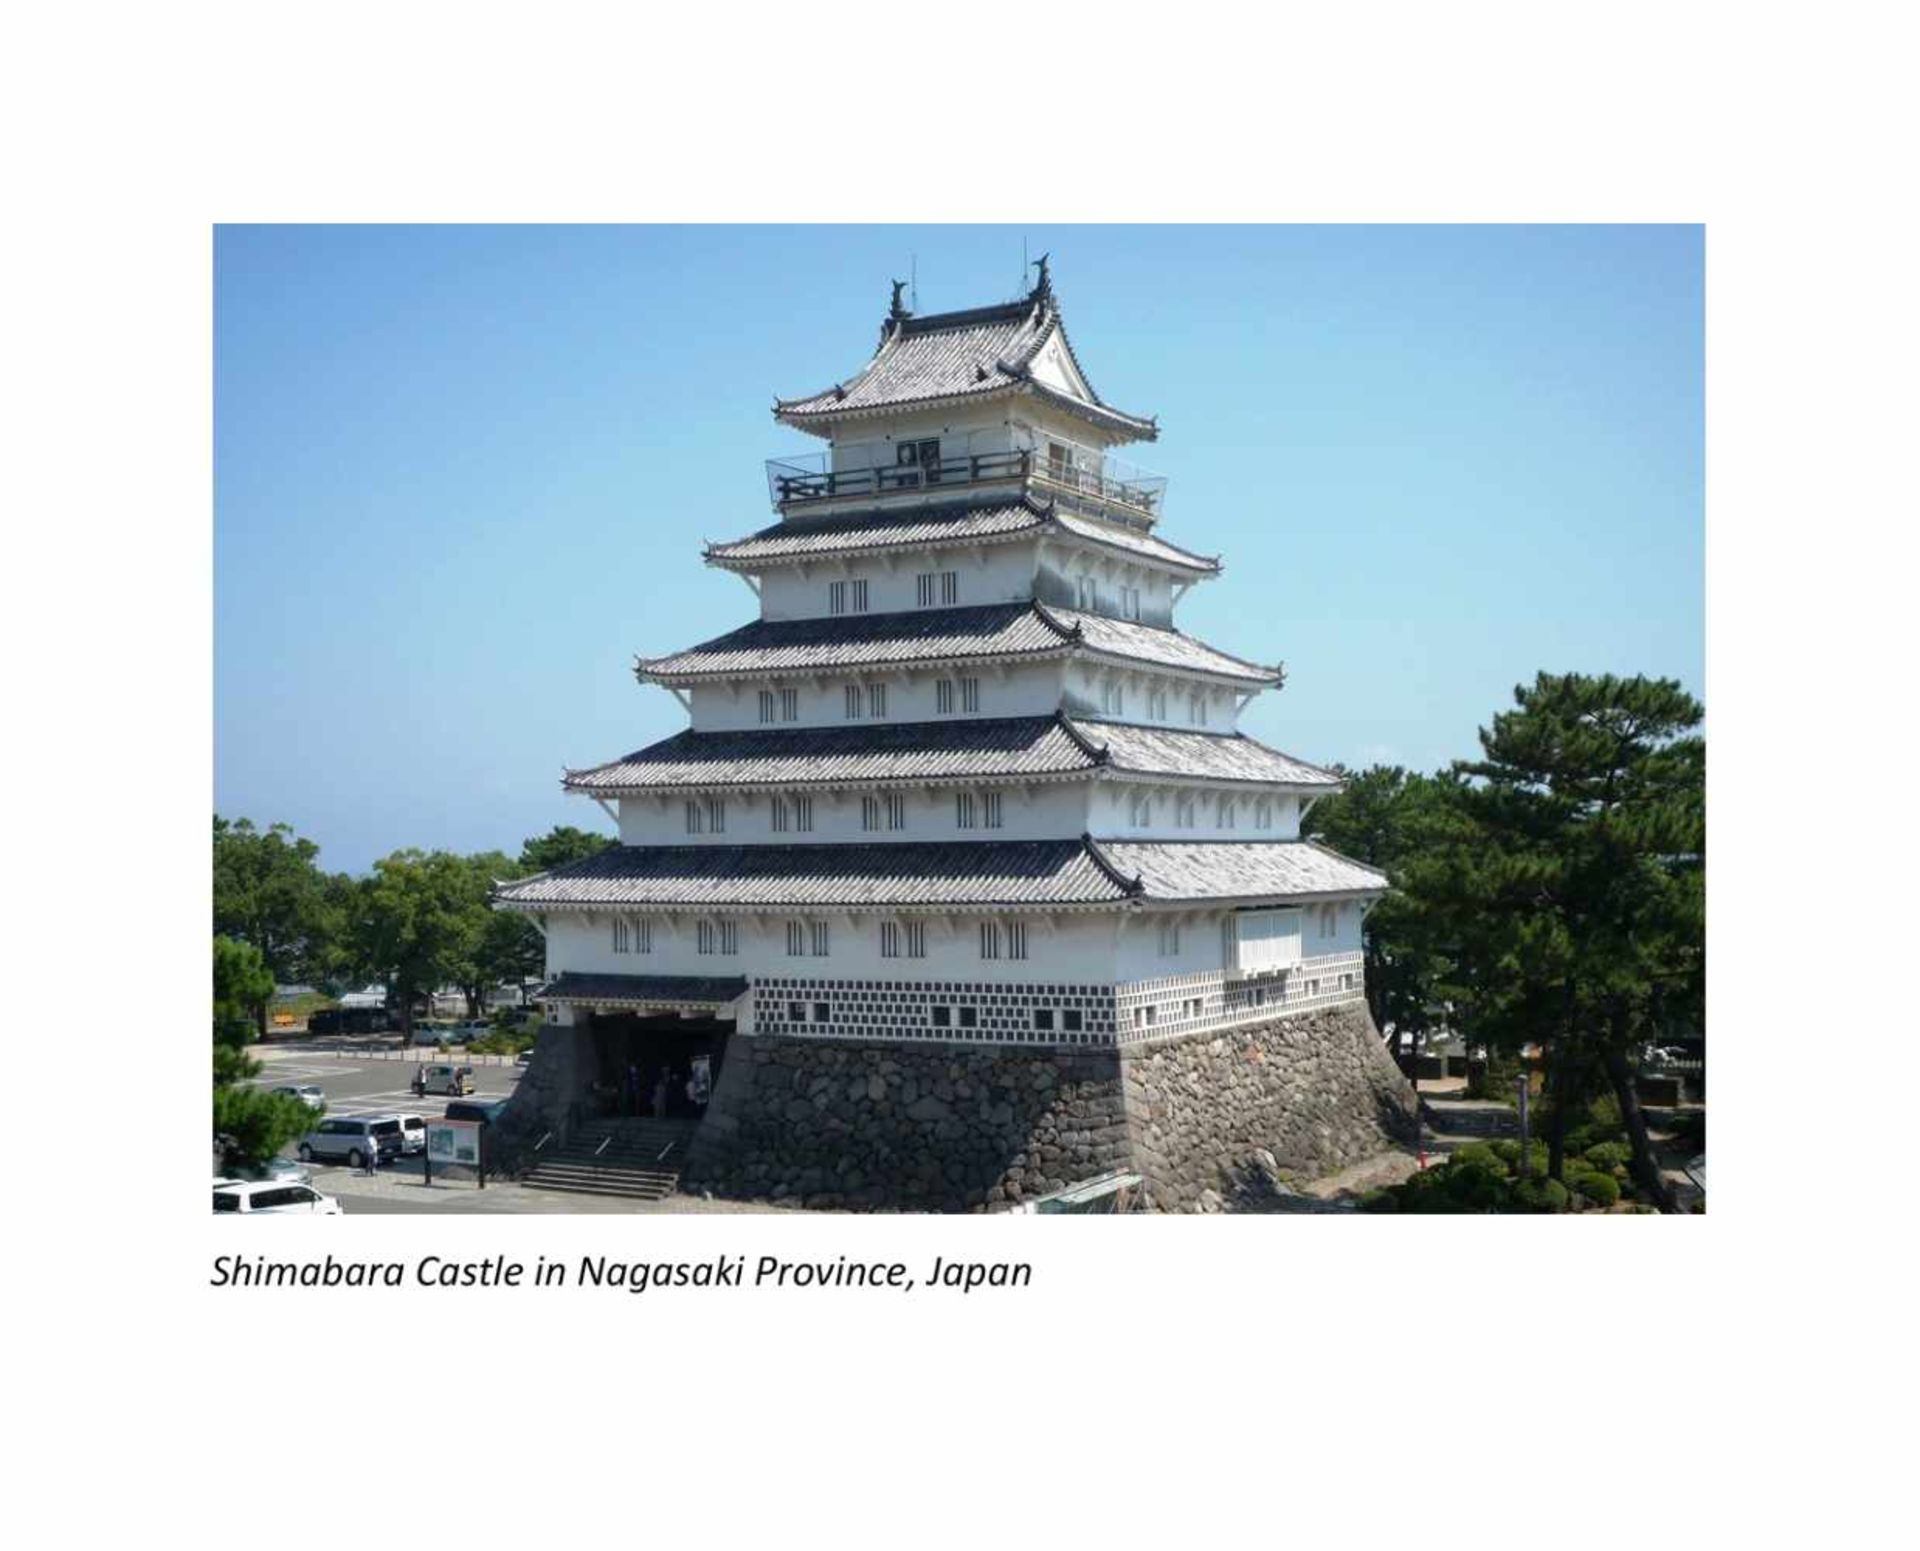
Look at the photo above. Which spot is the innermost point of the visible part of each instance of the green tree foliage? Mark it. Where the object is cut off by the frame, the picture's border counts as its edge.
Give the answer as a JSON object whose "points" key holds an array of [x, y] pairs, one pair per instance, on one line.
{"points": [[1389, 819], [249, 1126], [419, 921], [1573, 876], [560, 845], [269, 892]]}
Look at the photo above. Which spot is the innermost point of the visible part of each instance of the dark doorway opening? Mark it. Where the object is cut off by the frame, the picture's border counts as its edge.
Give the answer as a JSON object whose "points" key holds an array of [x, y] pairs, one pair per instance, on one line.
{"points": [[661, 1067]]}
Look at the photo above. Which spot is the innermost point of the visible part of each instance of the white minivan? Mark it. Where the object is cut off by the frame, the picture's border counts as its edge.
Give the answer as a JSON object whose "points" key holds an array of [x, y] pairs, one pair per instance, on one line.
{"points": [[353, 1139], [270, 1195]]}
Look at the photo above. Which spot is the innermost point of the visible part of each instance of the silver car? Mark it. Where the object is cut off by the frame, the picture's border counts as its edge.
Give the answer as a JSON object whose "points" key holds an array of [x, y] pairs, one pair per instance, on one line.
{"points": [[306, 1093]]}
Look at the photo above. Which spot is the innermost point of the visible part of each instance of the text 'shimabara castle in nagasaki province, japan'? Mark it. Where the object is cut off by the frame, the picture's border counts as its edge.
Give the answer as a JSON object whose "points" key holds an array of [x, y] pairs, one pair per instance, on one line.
{"points": [[961, 878]]}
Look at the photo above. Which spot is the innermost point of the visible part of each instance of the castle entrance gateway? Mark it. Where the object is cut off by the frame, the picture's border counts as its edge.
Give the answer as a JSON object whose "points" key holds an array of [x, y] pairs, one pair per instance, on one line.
{"points": [[655, 1043]]}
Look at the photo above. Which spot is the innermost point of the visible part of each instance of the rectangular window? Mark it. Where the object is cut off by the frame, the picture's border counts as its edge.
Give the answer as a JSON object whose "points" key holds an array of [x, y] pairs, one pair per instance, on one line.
{"points": [[889, 939], [622, 936], [1043, 1018], [819, 939], [1346, 982], [1016, 939], [916, 939], [943, 697], [1087, 595], [860, 597], [969, 1017], [876, 701], [990, 803], [803, 814], [796, 939], [1197, 710], [949, 587], [836, 597], [969, 694], [1070, 1020], [729, 937], [696, 819], [942, 1017], [1226, 812], [1157, 705], [718, 937], [704, 937], [854, 701], [1140, 811], [717, 815], [1113, 698], [896, 811], [766, 705], [1130, 602], [963, 810], [782, 815], [796, 1012], [923, 589], [989, 939], [789, 705], [822, 1013], [643, 935], [869, 813]]}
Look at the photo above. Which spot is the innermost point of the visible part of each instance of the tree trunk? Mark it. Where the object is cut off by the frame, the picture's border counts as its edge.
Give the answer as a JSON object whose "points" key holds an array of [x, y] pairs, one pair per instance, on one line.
{"points": [[1558, 1086], [1646, 1170]]}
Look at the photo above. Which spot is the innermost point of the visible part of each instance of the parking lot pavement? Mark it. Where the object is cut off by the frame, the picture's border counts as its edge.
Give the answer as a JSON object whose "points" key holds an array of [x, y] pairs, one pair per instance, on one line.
{"points": [[401, 1188], [360, 1087]]}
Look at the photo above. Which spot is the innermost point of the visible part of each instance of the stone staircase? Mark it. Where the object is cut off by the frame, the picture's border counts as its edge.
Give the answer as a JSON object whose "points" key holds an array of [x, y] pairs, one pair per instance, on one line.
{"points": [[636, 1159]]}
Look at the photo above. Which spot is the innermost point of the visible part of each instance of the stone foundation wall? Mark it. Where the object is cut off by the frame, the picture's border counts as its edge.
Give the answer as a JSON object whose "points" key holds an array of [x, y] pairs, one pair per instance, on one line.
{"points": [[1214, 1119], [1210, 1120], [562, 1071], [832, 1123]]}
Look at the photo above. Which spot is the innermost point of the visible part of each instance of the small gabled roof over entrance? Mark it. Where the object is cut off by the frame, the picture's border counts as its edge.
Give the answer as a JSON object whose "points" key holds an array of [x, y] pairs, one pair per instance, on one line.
{"points": [[645, 990], [954, 357]]}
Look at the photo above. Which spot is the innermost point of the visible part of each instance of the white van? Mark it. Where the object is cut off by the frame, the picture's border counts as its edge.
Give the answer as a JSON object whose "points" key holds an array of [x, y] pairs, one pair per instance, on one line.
{"points": [[236, 1195]]}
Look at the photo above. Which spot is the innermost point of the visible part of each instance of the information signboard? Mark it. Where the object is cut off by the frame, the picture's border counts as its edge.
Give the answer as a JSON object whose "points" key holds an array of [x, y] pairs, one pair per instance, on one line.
{"points": [[454, 1141]]}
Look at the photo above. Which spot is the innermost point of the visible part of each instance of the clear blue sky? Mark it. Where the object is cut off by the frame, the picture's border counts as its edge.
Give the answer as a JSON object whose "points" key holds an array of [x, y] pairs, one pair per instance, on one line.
{"points": [[462, 476]]}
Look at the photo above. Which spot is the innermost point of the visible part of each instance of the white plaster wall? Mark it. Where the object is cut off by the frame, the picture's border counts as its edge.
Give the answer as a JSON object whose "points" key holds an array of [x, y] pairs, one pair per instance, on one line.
{"points": [[1031, 689], [1061, 569], [996, 573], [962, 432], [1111, 814], [1059, 948], [1084, 682], [1346, 919], [1051, 812]]}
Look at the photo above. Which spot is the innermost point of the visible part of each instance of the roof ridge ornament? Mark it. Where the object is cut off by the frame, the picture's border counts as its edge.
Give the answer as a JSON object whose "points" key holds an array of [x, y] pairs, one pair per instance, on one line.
{"points": [[1043, 286], [896, 310]]}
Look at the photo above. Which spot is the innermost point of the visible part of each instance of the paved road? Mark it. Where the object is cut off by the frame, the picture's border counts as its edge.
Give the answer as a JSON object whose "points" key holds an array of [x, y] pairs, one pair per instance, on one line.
{"points": [[356, 1084]]}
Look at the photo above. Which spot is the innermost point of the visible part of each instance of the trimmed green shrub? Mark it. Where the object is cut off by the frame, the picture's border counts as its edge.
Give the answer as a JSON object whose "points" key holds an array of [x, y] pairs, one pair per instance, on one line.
{"points": [[1607, 1156], [1382, 1200], [1540, 1195], [1480, 1155], [1600, 1189]]}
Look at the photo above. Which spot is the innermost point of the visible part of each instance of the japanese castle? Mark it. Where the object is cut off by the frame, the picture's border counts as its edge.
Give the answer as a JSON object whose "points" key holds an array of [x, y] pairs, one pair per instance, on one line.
{"points": [[963, 780]]}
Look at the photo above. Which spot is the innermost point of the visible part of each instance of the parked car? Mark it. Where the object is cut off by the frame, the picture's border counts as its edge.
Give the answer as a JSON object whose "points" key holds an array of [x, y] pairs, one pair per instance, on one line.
{"points": [[283, 1171], [307, 1093], [413, 1134], [456, 1080], [525, 1058], [247, 1196], [435, 1034], [486, 1111], [353, 1139]]}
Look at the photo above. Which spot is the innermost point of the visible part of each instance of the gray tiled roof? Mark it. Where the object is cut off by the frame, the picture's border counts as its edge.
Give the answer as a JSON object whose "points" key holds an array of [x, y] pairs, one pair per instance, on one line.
{"points": [[1018, 629], [861, 640], [942, 525], [794, 541], [954, 355], [649, 990], [976, 874], [1204, 755], [986, 873], [1148, 643], [1237, 869], [877, 751], [1124, 537]]}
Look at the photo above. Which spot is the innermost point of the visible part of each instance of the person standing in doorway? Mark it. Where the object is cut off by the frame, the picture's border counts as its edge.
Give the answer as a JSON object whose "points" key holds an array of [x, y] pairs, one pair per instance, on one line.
{"points": [[660, 1095]]}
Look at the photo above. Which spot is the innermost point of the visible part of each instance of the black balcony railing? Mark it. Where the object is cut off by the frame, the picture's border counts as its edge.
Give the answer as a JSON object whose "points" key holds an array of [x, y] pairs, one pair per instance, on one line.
{"points": [[793, 483]]}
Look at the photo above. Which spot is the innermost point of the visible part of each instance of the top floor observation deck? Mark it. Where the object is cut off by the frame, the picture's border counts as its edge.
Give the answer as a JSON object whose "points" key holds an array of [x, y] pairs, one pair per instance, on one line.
{"points": [[1072, 477]]}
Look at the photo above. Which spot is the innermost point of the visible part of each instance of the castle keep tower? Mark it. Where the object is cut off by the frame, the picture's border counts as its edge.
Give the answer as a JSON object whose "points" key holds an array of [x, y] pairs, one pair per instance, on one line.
{"points": [[962, 823]]}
